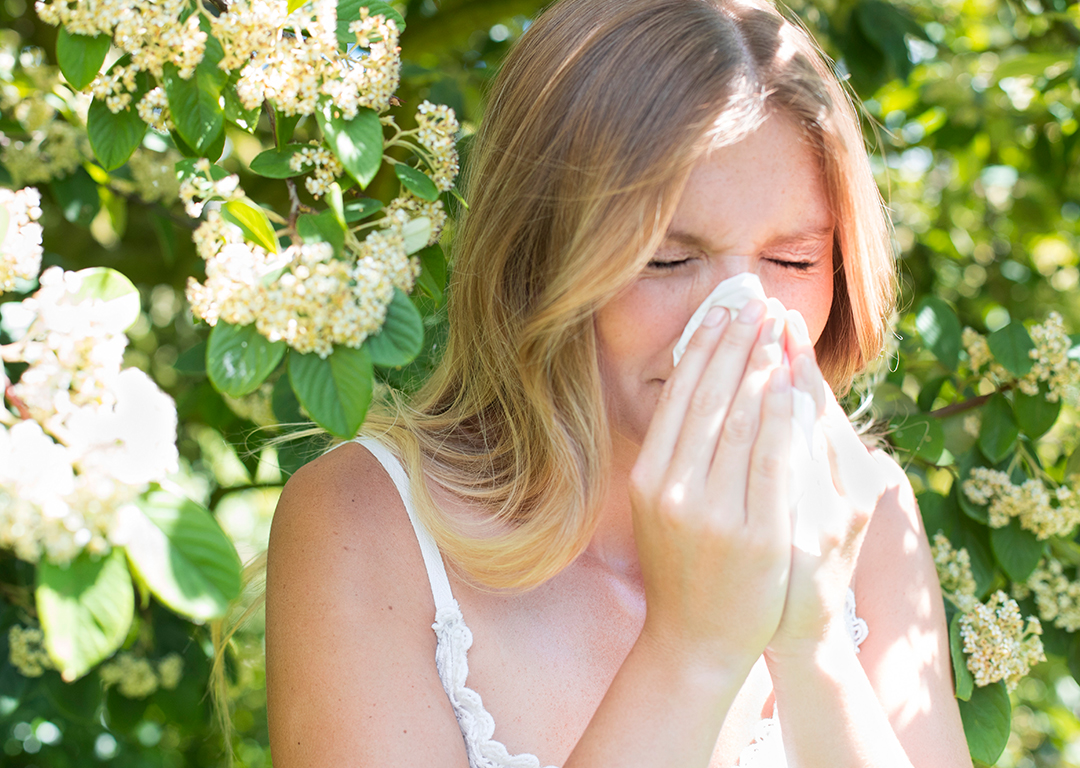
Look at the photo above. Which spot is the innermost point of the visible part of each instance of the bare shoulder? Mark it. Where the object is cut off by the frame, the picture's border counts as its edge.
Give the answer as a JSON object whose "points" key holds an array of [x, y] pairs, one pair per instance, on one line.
{"points": [[351, 675], [906, 652]]}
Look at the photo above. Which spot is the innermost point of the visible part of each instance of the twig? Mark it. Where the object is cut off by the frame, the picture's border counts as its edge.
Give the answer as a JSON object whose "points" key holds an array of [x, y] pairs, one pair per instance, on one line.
{"points": [[967, 405], [20, 406]]}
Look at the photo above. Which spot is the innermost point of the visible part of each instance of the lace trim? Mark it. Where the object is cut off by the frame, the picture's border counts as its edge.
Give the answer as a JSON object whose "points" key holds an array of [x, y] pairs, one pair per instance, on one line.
{"points": [[477, 725], [767, 748]]}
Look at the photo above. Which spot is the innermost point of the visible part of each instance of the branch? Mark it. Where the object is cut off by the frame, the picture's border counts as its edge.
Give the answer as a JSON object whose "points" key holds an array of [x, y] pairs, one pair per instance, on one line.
{"points": [[967, 405]]}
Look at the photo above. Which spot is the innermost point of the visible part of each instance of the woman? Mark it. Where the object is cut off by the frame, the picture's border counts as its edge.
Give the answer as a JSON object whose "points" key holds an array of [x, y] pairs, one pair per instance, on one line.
{"points": [[611, 533]]}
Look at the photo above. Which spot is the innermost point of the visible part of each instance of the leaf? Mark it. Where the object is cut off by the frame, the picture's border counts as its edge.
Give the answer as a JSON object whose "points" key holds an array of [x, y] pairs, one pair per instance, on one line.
{"points": [[939, 327], [402, 335], [274, 163], [987, 721], [919, 434], [195, 103], [1035, 414], [416, 232], [929, 392], [322, 227], [433, 271], [78, 197], [114, 137], [1011, 346], [1017, 549], [336, 202], [335, 391], [80, 56], [284, 125], [361, 209], [113, 288], [962, 677], [236, 113], [284, 404], [239, 358], [294, 4], [253, 220], [348, 11], [180, 551], [85, 610], [417, 182], [998, 433], [357, 143]]}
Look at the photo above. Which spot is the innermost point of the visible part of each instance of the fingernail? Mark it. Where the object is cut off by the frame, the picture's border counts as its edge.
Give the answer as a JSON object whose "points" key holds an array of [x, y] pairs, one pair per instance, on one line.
{"points": [[780, 381], [752, 312], [714, 317]]}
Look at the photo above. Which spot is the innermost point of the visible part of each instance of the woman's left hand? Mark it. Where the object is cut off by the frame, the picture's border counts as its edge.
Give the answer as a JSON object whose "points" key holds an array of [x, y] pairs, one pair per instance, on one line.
{"points": [[817, 589]]}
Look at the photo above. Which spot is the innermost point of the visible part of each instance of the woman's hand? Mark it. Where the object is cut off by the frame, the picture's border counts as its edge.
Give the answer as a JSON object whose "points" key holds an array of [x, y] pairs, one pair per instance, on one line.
{"points": [[709, 495], [817, 586]]}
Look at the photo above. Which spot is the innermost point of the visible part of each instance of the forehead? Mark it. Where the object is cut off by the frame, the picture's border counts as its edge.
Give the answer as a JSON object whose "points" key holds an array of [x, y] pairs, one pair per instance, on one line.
{"points": [[766, 188]]}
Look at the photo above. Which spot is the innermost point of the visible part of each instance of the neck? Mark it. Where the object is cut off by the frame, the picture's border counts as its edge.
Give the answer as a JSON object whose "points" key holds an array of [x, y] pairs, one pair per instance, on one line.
{"points": [[612, 544]]}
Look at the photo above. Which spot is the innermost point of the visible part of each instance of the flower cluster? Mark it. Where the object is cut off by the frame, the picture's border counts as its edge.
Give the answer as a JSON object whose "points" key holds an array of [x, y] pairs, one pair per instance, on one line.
{"points": [[155, 33], [437, 129], [1051, 355], [1044, 512], [26, 650], [954, 573], [298, 68], [198, 187], [153, 108], [51, 149], [20, 239], [1056, 596], [153, 175], [414, 207], [137, 678], [323, 164], [998, 644], [1052, 362], [90, 437], [303, 296]]}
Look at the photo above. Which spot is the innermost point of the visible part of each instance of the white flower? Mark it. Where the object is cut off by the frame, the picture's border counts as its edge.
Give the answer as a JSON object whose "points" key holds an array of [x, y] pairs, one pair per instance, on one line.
{"points": [[20, 241]]}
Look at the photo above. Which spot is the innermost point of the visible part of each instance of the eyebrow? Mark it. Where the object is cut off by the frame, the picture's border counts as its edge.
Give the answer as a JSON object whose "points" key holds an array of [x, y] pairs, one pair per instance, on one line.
{"points": [[806, 237]]}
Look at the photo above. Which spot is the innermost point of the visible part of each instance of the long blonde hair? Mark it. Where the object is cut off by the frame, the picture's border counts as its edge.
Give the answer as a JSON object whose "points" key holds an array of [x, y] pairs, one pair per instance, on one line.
{"points": [[591, 130]]}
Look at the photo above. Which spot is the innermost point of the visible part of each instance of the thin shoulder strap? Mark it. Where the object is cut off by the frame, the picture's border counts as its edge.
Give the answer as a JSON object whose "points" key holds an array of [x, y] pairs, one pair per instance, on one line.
{"points": [[433, 562]]}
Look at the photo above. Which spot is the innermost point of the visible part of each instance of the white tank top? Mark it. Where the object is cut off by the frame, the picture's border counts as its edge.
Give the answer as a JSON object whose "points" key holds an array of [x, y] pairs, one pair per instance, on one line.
{"points": [[453, 640]]}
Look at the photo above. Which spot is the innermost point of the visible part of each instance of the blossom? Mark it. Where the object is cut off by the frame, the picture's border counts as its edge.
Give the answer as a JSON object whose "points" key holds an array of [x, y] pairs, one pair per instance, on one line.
{"points": [[437, 128], [199, 187], [1056, 596], [51, 150], [954, 572], [1039, 510], [153, 108], [26, 651], [20, 241], [325, 167], [153, 175], [998, 644], [1053, 364], [414, 207], [976, 347]]}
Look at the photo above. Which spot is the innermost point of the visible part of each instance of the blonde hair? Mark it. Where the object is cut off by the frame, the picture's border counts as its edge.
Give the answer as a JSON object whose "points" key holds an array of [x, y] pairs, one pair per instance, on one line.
{"points": [[592, 128]]}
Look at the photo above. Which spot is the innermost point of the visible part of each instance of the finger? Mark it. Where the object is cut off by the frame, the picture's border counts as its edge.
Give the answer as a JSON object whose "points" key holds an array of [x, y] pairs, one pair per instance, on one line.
{"points": [[730, 466], [709, 405], [806, 375], [856, 474], [663, 432], [767, 503]]}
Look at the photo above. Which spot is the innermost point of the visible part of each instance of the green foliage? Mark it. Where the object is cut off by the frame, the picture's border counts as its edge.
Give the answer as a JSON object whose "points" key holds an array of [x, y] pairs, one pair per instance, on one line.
{"points": [[358, 143], [335, 391]]}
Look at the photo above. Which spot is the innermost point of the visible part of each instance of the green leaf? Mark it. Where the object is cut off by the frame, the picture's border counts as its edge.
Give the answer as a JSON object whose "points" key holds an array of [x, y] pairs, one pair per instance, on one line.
{"points": [[358, 143], [274, 163], [195, 103], [180, 551], [113, 288], [337, 204], [85, 610], [192, 361], [987, 721], [348, 11], [253, 220], [965, 683], [335, 391], [1035, 414], [402, 335], [360, 209], [1017, 549], [929, 392], [432, 271], [284, 125], [998, 433], [80, 57], [919, 434], [284, 404], [416, 233], [239, 358], [236, 113], [939, 327], [1011, 347], [114, 137], [78, 197], [294, 4], [322, 227], [417, 182]]}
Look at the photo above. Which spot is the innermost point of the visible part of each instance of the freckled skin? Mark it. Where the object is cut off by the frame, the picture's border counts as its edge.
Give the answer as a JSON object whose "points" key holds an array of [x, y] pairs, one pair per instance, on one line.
{"points": [[779, 215]]}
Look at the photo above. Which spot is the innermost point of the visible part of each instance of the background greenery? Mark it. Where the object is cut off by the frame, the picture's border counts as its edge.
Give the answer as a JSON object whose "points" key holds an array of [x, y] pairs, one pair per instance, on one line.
{"points": [[970, 108]]}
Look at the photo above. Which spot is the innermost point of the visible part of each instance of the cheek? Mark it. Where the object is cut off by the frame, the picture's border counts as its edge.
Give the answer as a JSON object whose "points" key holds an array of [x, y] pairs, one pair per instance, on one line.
{"points": [[811, 295]]}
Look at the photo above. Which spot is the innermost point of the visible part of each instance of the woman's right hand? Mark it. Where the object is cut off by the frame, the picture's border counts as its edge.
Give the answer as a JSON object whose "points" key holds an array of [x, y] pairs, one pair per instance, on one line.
{"points": [[709, 495]]}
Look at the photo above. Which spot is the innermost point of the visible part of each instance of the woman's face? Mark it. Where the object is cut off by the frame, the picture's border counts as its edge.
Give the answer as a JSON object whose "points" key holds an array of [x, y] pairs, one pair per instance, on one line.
{"points": [[757, 206]]}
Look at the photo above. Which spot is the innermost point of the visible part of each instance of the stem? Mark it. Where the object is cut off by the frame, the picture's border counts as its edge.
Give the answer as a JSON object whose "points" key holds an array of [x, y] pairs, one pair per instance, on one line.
{"points": [[20, 406], [955, 408]]}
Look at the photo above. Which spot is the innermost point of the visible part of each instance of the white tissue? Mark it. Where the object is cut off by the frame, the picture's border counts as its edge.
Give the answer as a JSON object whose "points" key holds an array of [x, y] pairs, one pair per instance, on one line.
{"points": [[807, 491]]}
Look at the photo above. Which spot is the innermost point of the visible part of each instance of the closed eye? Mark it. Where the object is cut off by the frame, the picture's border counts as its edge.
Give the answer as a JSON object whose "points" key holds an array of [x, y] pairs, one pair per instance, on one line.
{"points": [[655, 264], [801, 266]]}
